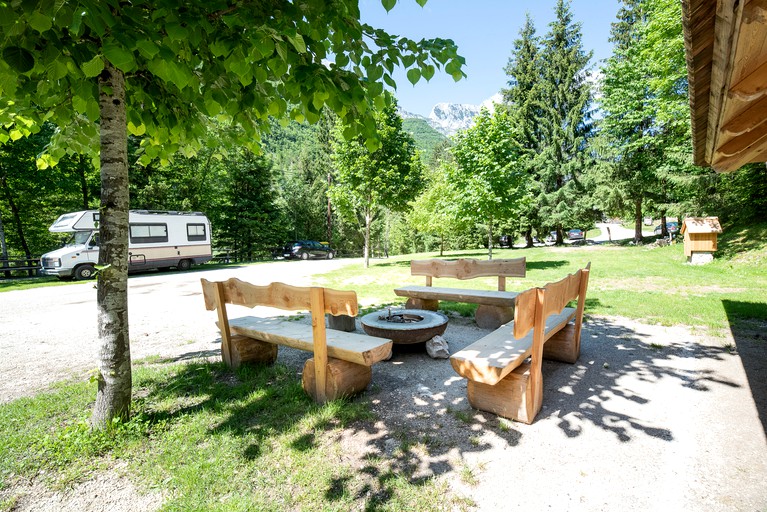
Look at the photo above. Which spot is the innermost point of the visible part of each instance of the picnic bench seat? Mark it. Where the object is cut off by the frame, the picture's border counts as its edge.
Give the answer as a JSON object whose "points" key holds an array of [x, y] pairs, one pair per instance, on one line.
{"points": [[504, 368], [494, 308], [342, 361]]}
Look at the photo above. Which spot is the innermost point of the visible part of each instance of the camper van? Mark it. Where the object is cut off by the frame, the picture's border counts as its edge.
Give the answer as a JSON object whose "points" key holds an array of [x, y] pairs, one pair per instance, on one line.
{"points": [[156, 239]]}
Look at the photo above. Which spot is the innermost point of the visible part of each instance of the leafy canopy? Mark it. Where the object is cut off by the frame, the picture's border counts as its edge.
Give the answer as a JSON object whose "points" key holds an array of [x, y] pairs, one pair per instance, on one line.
{"points": [[234, 62]]}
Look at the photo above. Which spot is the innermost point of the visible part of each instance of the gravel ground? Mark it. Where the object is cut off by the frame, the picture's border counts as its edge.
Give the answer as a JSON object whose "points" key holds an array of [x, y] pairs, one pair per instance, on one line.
{"points": [[650, 418]]}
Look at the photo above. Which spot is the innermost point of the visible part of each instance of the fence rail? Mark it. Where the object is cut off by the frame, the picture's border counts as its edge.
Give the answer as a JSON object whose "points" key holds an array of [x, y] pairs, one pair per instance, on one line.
{"points": [[28, 265]]}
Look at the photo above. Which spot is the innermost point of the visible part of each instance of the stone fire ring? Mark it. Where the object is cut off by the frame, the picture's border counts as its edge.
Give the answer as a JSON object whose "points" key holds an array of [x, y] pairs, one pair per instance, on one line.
{"points": [[432, 324]]}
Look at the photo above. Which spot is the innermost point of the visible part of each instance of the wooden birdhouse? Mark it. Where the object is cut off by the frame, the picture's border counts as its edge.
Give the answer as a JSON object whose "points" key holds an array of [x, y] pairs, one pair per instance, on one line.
{"points": [[700, 237]]}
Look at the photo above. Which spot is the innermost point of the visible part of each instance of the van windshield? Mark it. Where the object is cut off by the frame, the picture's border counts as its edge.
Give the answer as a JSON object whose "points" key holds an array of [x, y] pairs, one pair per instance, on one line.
{"points": [[78, 238]]}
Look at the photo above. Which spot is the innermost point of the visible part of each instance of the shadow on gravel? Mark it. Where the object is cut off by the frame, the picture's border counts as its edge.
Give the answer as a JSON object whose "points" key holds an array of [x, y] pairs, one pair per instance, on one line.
{"points": [[611, 356], [748, 324]]}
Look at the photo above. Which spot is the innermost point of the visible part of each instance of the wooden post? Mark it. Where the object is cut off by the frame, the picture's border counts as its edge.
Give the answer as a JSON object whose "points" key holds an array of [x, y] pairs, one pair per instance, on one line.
{"points": [[317, 298], [223, 324], [501, 283]]}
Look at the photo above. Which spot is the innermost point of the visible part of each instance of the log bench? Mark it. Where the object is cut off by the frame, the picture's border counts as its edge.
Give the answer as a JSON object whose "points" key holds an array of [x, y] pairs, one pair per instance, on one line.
{"points": [[494, 308], [504, 368], [342, 361]]}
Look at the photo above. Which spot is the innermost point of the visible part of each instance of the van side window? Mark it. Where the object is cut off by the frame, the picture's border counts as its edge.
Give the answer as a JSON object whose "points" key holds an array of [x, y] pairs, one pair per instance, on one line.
{"points": [[148, 233], [195, 232]]}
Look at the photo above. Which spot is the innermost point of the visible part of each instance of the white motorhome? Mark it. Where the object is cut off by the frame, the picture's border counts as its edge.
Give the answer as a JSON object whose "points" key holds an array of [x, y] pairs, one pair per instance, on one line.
{"points": [[156, 239]]}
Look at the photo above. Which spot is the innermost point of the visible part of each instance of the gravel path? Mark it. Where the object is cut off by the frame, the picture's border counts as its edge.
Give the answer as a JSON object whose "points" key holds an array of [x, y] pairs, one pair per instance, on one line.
{"points": [[650, 418]]}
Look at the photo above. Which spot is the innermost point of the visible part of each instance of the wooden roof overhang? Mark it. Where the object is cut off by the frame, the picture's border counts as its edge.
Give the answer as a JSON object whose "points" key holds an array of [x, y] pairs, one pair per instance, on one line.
{"points": [[726, 46]]}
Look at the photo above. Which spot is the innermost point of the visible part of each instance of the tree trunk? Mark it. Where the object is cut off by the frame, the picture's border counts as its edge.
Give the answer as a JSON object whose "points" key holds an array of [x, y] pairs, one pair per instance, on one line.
{"points": [[441, 244], [330, 213], [83, 181], [490, 240], [3, 245], [114, 377], [528, 238], [368, 221], [16, 216], [638, 221], [663, 228]]}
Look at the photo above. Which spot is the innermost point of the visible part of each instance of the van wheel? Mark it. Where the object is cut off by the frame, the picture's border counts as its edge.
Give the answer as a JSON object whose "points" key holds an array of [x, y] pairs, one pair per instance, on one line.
{"points": [[84, 272], [184, 265]]}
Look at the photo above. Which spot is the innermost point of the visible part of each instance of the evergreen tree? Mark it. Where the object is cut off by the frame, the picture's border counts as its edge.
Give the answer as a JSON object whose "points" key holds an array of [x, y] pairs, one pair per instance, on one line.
{"points": [[565, 102], [522, 100]]}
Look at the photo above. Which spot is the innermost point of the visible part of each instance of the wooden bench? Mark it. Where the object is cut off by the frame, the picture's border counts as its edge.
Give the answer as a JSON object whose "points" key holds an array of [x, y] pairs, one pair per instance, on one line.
{"points": [[28, 265], [342, 361], [504, 368], [494, 307]]}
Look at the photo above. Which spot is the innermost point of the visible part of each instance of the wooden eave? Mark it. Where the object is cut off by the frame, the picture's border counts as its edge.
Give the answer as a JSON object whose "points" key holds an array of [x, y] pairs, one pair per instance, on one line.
{"points": [[726, 47]]}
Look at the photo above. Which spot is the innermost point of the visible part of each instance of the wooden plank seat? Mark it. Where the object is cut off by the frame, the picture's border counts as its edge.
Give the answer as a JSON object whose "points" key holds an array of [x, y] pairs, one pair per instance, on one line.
{"points": [[504, 368], [494, 307], [342, 360]]}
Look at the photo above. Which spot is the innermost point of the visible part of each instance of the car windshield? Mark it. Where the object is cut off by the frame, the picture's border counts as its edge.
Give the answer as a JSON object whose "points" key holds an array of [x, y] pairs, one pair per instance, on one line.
{"points": [[78, 238]]}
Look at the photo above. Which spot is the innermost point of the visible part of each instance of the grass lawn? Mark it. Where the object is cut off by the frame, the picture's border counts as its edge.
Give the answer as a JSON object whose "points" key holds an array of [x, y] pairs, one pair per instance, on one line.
{"points": [[210, 439], [648, 283]]}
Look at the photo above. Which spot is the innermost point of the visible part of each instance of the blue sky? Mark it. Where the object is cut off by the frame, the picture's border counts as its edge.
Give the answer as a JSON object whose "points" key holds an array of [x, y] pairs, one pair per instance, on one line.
{"points": [[484, 31]]}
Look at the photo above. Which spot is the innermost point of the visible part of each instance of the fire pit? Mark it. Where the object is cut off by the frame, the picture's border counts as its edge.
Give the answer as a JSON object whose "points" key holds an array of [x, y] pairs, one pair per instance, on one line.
{"points": [[404, 325]]}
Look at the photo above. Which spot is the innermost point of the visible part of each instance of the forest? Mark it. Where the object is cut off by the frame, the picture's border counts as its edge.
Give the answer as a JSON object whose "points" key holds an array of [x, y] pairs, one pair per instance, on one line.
{"points": [[571, 144]]}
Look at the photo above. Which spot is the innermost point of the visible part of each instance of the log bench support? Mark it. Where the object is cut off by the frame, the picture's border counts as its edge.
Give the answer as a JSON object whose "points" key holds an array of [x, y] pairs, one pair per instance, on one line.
{"points": [[504, 368], [342, 361], [494, 308]]}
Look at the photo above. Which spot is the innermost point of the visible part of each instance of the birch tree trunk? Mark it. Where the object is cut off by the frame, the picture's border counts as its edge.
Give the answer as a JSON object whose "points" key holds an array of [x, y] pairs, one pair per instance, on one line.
{"points": [[490, 240], [114, 378]]}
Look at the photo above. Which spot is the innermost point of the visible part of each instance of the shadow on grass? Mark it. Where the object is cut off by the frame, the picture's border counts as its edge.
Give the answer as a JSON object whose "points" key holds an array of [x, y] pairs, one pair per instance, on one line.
{"points": [[259, 404], [748, 324]]}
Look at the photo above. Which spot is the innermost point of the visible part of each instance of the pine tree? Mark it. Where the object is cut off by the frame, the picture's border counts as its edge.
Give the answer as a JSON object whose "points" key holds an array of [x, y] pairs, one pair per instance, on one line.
{"points": [[565, 102], [522, 100]]}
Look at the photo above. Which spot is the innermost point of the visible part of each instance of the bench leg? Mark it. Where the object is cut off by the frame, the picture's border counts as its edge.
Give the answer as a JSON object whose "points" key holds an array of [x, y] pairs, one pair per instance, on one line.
{"points": [[427, 304], [513, 397], [343, 378], [249, 350], [563, 346], [492, 317]]}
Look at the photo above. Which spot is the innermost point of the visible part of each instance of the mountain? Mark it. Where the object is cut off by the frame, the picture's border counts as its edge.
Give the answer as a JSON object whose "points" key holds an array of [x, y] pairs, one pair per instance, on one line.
{"points": [[450, 118], [425, 136]]}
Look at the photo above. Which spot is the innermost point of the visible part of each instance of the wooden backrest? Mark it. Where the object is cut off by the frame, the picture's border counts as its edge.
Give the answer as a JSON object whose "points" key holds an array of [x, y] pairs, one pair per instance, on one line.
{"points": [[318, 301], [538, 303], [276, 295], [466, 268]]}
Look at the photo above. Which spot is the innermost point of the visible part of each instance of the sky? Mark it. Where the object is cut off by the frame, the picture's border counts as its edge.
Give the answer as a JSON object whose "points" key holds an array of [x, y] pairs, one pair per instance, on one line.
{"points": [[484, 31]]}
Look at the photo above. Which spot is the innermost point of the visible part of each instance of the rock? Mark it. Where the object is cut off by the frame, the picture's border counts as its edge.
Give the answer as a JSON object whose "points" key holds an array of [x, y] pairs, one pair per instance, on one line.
{"points": [[437, 348]]}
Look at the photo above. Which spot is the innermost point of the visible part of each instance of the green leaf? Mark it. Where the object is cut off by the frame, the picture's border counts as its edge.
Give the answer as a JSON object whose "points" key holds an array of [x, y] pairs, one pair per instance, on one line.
{"points": [[136, 130], [421, 2], [342, 60], [298, 43], [390, 81], [428, 72], [119, 56], [40, 22], [93, 67], [388, 4], [147, 48], [19, 59], [92, 110], [176, 31], [414, 75]]}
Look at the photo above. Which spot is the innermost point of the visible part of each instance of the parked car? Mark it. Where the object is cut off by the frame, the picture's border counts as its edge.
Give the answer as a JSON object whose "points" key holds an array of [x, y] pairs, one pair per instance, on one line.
{"points": [[504, 241], [552, 237], [305, 249], [671, 227], [576, 234]]}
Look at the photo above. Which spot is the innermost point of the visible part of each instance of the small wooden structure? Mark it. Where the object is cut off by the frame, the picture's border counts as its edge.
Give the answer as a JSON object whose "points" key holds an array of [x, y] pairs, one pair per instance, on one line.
{"points": [[700, 237], [494, 307], [504, 369], [342, 360]]}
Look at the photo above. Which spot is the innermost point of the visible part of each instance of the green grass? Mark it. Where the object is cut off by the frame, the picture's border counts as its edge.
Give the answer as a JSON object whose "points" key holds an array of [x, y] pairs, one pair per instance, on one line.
{"points": [[647, 283], [211, 440]]}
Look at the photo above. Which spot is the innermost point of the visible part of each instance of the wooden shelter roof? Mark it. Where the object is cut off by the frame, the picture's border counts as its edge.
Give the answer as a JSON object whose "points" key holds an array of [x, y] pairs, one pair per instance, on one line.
{"points": [[701, 225], [726, 46]]}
